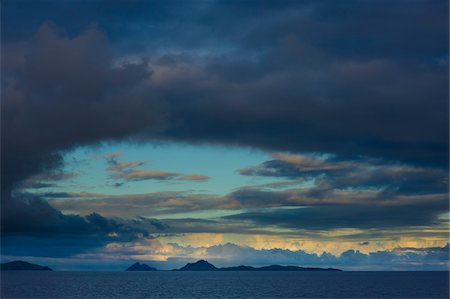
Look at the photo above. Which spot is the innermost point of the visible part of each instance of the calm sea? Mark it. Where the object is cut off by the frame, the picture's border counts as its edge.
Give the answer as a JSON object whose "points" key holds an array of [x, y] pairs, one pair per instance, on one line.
{"points": [[165, 284]]}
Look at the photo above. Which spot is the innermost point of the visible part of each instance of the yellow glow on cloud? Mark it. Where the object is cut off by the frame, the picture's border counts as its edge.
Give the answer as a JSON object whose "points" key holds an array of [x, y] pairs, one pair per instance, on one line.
{"points": [[196, 240], [318, 246]]}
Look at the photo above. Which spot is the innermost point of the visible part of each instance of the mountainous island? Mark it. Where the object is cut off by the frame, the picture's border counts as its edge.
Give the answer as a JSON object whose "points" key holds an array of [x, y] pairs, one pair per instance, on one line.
{"points": [[140, 267], [22, 266], [200, 265]]}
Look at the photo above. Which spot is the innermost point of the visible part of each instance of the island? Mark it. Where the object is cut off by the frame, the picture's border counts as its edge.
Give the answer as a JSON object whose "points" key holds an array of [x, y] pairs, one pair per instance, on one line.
{"points": [[200, 265], [203, 265], [140, 267], [22, 266]]}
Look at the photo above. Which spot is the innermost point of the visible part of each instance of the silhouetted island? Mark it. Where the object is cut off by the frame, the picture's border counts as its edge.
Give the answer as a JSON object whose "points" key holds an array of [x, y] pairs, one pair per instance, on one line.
{"points": [[203, 265], [22, 266], [140, 267], [200, 265]]}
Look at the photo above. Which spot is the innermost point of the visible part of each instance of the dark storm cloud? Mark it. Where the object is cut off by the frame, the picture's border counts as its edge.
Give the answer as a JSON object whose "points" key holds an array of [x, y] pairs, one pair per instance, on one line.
{"points": [[58, 93], [335, 81], [335, 108], [31, 220], [364, 216], [64, 92], [317, 81], [32, 214], [296, 93]]}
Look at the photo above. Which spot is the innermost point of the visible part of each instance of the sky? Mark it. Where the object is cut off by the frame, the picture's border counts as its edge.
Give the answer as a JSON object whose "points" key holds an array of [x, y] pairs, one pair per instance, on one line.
{"points": [[308, 133]]}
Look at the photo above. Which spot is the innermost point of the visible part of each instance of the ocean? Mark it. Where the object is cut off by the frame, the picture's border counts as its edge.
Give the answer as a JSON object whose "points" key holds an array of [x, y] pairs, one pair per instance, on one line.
{"points": [[168, 284]]}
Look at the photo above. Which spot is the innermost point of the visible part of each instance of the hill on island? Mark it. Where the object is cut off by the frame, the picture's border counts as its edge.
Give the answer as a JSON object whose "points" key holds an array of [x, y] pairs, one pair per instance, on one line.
{"points": [[140, 267], [22, 266], [200, 265], [203, 265]]}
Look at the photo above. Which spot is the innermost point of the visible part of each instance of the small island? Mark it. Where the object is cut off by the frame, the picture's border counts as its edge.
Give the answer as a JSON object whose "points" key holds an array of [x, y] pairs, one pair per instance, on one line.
{"points": [[140, 267], [22, 266]]}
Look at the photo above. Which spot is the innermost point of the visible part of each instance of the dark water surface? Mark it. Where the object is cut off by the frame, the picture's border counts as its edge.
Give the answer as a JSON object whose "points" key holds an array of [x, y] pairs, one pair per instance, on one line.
{"points": [[166, 284]]}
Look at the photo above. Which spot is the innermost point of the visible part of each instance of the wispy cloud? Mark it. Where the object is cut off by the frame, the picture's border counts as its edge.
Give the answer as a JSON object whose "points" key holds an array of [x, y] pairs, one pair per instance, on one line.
{"points": [[128, 171]]}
